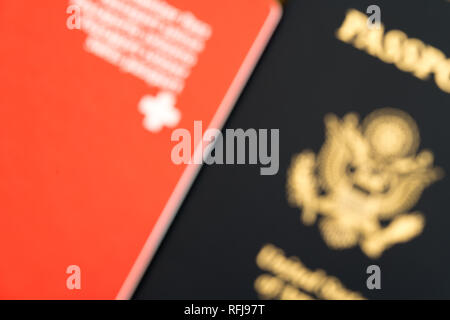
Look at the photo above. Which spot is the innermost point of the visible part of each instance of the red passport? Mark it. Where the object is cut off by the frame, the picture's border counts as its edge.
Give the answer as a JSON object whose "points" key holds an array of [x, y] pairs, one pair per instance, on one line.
{"points": [[91, 91]]}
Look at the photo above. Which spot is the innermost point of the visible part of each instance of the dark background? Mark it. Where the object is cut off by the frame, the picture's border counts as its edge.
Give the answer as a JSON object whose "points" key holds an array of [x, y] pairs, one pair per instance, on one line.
{"points": [[232, 211]]}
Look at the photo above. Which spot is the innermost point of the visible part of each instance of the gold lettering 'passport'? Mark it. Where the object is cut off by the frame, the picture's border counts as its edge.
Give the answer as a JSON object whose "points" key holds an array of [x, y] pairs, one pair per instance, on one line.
{"points": [[359, 208]]}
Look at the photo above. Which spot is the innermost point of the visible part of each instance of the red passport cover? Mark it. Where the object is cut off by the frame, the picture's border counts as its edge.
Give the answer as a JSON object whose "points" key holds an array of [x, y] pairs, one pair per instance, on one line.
{"points": [[86, 116]]}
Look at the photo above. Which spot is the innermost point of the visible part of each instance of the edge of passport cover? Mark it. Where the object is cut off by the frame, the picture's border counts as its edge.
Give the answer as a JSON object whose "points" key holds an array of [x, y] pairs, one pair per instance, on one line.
{"points": [[187, 178]]}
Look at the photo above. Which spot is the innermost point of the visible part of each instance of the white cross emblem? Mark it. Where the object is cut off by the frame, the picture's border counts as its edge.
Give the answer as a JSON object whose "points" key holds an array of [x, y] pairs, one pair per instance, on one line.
{"points": [[159, 111]]}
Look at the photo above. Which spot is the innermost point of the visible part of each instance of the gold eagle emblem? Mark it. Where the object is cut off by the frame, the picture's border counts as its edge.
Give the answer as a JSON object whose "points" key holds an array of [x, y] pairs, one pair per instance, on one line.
{"points": [[364, 180]]}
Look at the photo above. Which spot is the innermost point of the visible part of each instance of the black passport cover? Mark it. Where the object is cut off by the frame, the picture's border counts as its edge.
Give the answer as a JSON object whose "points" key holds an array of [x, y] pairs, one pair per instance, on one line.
{"points": [[232, 211]]}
